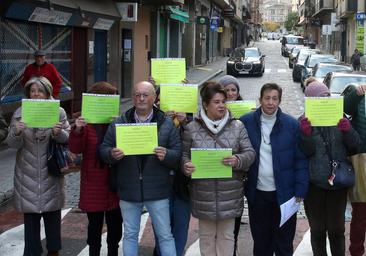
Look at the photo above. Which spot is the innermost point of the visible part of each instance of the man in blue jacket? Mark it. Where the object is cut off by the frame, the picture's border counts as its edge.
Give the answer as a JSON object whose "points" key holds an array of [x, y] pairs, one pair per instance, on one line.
{"points": [[144, 180], [279, 173]]}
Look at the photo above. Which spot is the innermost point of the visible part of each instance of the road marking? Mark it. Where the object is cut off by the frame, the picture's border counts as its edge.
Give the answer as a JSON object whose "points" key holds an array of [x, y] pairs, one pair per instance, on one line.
{"points": [[12, 240], [194, 249], [104, 249], [267, 70], [304, 248], [281, 70]]}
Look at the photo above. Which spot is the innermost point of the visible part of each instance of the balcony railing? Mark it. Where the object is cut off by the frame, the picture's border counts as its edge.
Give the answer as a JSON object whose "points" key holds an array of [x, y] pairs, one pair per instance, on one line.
{"points": [[323, 5]]}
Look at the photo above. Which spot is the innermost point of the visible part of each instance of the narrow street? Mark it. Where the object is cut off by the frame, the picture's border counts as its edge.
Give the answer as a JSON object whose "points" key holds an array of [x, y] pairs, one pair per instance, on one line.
{"points": [[74, 222]]}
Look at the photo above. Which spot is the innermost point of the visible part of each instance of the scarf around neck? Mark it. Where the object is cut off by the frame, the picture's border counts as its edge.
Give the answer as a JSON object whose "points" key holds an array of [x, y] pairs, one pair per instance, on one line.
{"points": [[215, 126]]}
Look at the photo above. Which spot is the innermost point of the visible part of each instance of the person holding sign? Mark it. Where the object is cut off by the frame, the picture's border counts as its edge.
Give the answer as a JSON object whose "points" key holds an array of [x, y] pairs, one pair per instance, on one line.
{"points": [[37, 194], [144, 180], [325, 202], [278, 175], [354, 105], [231, 86], [96, 197], [216, 202]]}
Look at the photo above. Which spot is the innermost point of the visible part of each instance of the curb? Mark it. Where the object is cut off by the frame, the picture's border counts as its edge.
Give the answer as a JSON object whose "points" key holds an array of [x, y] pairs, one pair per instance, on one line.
{"points": [[210, 77]]}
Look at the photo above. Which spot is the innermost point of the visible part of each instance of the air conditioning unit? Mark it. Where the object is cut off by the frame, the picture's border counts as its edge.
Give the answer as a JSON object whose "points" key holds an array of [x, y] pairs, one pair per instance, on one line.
{"points": [[128, 11]]}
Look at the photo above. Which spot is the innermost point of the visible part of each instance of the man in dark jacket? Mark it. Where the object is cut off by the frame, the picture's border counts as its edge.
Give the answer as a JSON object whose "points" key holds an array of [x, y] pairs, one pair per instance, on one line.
{"points": [[143, 180], [40, 67], [279, 173], [3, 127]]}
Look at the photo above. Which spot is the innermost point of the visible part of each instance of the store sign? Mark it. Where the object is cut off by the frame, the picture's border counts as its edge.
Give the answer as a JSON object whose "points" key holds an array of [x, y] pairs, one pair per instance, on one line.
{"points": [[214, 23], [202, 20], [128, 11], [103, 24], [44, 15], [361, 16]]}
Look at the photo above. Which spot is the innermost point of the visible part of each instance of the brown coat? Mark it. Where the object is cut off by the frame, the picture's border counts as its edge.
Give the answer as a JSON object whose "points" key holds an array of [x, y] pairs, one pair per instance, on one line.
{"points": [[35, 191], [217, 199]]}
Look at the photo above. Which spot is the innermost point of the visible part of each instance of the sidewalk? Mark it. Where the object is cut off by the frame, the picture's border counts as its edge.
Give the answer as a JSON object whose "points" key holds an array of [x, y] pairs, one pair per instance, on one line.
{"points": [[196, 75]]}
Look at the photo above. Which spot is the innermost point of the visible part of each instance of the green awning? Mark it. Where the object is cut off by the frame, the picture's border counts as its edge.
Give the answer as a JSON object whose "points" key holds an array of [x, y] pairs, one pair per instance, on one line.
{"points": [[177, 14]]}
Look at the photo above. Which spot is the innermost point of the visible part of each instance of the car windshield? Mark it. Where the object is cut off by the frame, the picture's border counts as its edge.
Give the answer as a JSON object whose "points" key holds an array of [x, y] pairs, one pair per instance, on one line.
{"points": [[323, 70], [303, 55], [338, 84], [251, 53], [294, 40], [317, 59]]}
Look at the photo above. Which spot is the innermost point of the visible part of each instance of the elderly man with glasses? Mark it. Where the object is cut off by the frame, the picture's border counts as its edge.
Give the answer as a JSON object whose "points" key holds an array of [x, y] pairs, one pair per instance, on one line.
{"points": [[143, 180]]}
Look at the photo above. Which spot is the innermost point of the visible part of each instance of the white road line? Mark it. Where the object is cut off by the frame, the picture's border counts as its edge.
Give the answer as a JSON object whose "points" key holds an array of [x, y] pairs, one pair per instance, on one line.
{"points": [[194, 249], [104, 249], [281, 70], [267, 70], [12, 240], [304, 248]]}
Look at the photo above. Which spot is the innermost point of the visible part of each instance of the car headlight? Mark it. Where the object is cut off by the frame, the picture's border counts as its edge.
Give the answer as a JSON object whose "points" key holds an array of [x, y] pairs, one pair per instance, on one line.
{"points": [[230, 62], [256, 62]]}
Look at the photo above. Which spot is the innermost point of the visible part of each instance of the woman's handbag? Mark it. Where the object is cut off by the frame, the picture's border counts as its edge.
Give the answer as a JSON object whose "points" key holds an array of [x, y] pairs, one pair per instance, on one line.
{"points": [[342, 174], [57, 158]]}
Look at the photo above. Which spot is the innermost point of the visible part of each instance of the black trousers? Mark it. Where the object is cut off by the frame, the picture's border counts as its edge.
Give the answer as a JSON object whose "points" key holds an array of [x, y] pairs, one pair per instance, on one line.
{"points": [[32, 232], [264, 217], [114, 227], [325, 211]]}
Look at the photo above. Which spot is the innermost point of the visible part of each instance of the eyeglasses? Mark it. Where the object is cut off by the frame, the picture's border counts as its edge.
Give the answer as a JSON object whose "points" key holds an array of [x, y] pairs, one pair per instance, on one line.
{"points": [[138, 95]]}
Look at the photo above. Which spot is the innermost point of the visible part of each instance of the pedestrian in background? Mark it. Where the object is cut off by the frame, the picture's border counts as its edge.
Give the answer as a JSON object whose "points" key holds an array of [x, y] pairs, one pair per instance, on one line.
{"points": [[354, 105], [356, 60], [37, 194], [3, 127], [96, 197], [180, 208], [232, 89], [217, 202], [279, 173], [325, 204], [40, 67], [144, 180]]}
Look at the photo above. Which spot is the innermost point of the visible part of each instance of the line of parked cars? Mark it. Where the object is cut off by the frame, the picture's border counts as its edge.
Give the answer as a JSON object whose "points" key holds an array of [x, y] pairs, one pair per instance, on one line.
{"points": [[325, 68]]}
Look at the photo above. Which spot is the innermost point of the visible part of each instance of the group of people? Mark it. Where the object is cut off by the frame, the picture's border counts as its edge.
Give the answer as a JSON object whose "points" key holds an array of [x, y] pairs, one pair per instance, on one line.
{"points": [[274, 158]]}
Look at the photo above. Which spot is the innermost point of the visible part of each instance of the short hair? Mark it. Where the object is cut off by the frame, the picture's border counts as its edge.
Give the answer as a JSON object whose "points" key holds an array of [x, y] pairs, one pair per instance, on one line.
{"points": [[103, 88], [43, 83], [271, 86], [209, 89], [152, 89], [309, 80]]}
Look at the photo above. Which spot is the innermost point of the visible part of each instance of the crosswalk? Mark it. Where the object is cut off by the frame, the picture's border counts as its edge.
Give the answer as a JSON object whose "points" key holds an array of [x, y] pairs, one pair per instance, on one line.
{"points": [[279, 70], [12, 240]]}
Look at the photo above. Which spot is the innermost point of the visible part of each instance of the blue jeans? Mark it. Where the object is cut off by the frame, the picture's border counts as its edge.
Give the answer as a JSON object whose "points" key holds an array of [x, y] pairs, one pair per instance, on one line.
{"points": [[180, 215], [159, 213]]}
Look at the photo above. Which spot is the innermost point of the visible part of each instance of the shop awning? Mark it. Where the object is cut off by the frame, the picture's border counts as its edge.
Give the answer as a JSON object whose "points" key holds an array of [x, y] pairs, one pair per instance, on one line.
{"points": [[177, 14]]}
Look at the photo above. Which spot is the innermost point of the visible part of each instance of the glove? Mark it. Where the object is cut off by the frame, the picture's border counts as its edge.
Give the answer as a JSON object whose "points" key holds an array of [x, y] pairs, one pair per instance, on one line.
{"points": [[344, 125], [305, 126]]}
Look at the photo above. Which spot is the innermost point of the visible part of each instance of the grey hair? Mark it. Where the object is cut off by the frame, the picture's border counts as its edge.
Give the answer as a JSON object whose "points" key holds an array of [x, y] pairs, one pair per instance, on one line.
{"points": [[44, 84]]}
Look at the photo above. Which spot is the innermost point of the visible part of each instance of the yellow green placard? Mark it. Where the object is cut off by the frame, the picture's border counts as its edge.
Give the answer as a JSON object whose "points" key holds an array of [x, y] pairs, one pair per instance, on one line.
{"points": [[360, 38], [40, 113], [168, 70], [137, 138], [99, 108], [208, 163], [179, 97], [324, 111], [240, 107]]}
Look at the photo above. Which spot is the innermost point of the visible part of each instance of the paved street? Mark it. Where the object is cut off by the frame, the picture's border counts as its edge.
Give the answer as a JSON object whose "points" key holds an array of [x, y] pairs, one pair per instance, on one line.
{"points": [[74, 223]]}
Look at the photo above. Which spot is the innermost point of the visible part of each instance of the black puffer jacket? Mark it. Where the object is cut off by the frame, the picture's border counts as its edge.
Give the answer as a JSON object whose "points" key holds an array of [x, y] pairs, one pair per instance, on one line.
{"points": [[341, 144], [144, 177]]}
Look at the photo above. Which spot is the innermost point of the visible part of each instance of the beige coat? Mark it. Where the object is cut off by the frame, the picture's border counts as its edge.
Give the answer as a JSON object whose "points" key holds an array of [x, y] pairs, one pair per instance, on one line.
{"points": [[35, 191], [217, 199]]}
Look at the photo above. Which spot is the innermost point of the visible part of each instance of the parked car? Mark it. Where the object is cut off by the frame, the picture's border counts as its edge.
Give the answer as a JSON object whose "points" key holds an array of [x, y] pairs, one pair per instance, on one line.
{"points": [[246, 61], [288, 42], [323, 68], [299, 61], [338, 81], [292, 55], [310, 63]]}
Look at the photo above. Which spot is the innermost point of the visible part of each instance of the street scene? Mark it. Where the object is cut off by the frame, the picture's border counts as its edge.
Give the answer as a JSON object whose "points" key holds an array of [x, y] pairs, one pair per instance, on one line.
{"points": [[62, 53]]}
